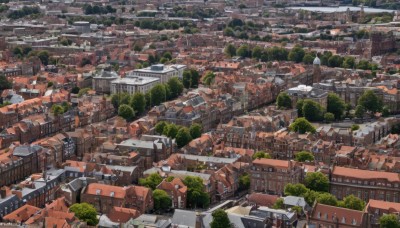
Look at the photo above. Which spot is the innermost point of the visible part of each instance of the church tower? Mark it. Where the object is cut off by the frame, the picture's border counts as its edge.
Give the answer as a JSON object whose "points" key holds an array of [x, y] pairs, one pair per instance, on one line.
{"points": [[316, 70]]}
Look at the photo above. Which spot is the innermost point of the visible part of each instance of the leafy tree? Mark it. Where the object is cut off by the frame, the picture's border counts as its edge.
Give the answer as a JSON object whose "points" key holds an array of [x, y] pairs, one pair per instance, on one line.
{"points": [[4, 82], [220, 219], [158, 94], [83, 91], [26, 50], [160, 126], [75, 90], [17, 51], [299, 107], [283, 101], [327, 198], [208, 79], [355, 127], [137, 48], [195, 130], [329, 117], [279, 204], [296, 54], [297, 209], [317, 181], [244, 182], [228, 31], [126, 112], [335, 105], [360, 111], [162, 201], [364, 65], [230, 50], [308, 59], [176, 87], [138, 102], [302, 126], [335, 61], [196, 196], [370, 101], [163, 60], [167, 55], [171, 130], [310, 196], [57, 110], [243, 51], [152, 181], [261, 154], [349, 62], [235, 22], [389, 221], [183, 137], [312, 111], [304, 156], [352, 202], [256, 52], [385, 111], [295, 190], [44, 57], [187, 79], [194, 78], [85, 212]]}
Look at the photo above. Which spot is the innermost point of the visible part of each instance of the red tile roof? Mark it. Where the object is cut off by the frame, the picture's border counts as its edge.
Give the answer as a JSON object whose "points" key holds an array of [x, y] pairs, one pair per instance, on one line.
{"points": [[365, 174], [106, 190], [271, 162], [22, 214], [389, 206], [332, 214]]}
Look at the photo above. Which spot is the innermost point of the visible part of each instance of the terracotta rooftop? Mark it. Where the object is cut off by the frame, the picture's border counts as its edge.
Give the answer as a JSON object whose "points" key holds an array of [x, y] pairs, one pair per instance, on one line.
{"points": [[106, 190], [390, 206], [342, 216], [365, 174], [22, 214], [271, 162]]}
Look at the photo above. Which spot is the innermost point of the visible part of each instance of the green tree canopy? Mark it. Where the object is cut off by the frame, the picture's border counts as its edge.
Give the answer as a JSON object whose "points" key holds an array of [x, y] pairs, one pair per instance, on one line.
{"points": [[230, 50], [349, 62], [279, 204], [352, 202], [162, 201], [335, 61], [158, 94], [160, 126], [228, 31], [312, 111], [196, 196], [360, 111], [303, 156], [257, 52], [295, 190], [4, 82], [389, 221], [302, 126], [208, 79], [176, 87], [261, 154], [85, 212], [329, 117], [243, 51], [299, 107], [183, 137], [138, 102], [75, 90], [152, 181], [317, 181], [195, 131], [308, 59], [220, 219], [57, 109], [126, 112], [283, 101], [296, 54], [327, 198], [370, 101], [171, 130], [335, 105], [244, 182]]}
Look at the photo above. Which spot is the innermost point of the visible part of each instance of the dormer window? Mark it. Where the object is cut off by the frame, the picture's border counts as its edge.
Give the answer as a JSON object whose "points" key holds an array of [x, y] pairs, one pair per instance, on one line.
{"points": [[354, 222], [112, 194], [343, 220], [98, 192], [319, 215]]}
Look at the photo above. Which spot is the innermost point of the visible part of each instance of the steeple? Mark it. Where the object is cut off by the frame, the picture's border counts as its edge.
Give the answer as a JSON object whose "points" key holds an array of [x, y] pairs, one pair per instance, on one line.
{"points": [[316, 70]]}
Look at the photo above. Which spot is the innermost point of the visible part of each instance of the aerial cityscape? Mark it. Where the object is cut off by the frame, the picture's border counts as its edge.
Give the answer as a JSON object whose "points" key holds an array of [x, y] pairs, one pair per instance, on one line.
{"points": [[200, 113]]}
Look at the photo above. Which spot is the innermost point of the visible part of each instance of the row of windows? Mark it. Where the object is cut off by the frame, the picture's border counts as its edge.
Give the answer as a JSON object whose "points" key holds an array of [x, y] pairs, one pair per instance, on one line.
{"points": [[369, 183]]}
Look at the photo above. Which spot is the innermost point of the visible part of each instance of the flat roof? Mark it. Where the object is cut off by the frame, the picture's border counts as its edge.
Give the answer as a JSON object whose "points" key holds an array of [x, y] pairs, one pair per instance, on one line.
{"points": [[135, 80]]}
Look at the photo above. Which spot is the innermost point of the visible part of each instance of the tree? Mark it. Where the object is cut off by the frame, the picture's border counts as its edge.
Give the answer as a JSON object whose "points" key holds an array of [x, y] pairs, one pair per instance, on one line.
{"points": [[4, 82], [44, 57], [176, 87], [220, 219], [183, 137], [126, 112], [360, 111], [349, 62], [230, 50], [279, 204], [85, 212], [296, 54], [370, 101], [299, 107], [256, 52], [171, 130], [158, 94], [57, 110], [162, 201], [137, 48], [243, 51], [335, 105], [75, 90], [167, 55], [195, 131], [261, 154], [352, 202], [187, 79], [312, 111], [160, 126], [329, 117], [308, 59], [196, 196], [244, 182], [355, 127], [295, 190], [138, 102], [195, 78], [389, 221], [283, 101], [327, 198], [317, 181], [152, 181], [208, 79], [228, 31], [83, 91], [335, 61], [304, 156], [302, 126]]}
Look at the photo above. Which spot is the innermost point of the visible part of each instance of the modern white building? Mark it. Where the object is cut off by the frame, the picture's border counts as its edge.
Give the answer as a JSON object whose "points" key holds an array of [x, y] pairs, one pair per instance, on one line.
{"points": [[133, 85], [160, 71], [102, 80]]}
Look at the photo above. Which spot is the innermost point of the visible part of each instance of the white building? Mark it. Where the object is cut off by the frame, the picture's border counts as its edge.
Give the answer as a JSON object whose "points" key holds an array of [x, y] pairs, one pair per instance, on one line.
{"points": [[133, 85], [164, 73]]}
